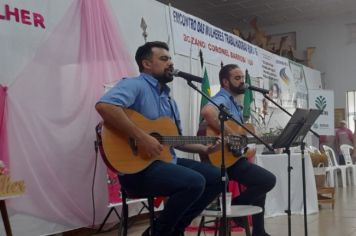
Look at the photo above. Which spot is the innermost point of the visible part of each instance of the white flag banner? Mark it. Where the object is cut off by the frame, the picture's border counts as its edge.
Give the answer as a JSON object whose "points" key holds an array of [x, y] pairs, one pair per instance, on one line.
{"points": [[300, 84], [323, 100], [190, 32], [269, 75], [287, 89]]}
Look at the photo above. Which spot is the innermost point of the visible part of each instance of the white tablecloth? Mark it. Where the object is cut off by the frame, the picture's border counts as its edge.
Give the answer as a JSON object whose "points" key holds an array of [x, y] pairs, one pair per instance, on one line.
{"points": [[277, 198]]}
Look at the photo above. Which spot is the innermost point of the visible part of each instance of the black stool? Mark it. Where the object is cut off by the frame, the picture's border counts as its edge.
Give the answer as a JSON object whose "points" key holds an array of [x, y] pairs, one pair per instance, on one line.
{"points": [[125, 211]]}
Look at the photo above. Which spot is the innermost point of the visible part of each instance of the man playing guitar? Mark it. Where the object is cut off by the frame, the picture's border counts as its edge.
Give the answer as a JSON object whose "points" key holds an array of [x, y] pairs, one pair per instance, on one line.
{"points": [[190, 185], [257, 180]]}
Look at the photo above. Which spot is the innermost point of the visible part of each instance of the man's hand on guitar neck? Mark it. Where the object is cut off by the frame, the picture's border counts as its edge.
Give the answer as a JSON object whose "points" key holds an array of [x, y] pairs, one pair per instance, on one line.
{"points": [[215, 147], [200, 148]]}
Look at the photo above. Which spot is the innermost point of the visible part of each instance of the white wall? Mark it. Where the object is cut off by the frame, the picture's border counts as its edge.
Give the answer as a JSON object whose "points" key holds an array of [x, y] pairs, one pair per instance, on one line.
{"points": [[333, 56], [19, 41]]}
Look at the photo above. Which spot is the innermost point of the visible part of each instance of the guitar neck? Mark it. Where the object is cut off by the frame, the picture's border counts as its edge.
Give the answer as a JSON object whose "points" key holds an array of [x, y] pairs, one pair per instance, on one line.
{"points": [[181, 140], [267, 139]]}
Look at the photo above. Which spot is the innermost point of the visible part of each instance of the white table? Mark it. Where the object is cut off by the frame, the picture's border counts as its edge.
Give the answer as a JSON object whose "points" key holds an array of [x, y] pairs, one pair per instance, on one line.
{"points": [[277, 198]]}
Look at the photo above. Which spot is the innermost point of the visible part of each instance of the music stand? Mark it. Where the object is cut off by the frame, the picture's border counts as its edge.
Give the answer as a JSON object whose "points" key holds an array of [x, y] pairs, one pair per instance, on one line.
{"points": [[293, 135]]}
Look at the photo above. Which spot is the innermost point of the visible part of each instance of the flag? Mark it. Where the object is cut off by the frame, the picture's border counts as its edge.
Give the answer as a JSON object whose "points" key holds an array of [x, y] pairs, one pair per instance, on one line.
{"points": [[248, 97], [205, 87]]}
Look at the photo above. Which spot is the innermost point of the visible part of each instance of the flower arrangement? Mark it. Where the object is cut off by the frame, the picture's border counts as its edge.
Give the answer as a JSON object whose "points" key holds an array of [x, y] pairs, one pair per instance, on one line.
{"points": [[259, 119], [2, 168]]}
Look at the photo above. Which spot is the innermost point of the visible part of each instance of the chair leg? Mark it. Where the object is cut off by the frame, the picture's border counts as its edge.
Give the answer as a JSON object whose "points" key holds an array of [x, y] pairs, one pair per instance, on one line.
{"points": [[343, 176], [125, 217], [336, 178], [246, 225], [229, 226], [348, 173], [106, 218], [217, 224], [121, 220], [201, 224], [354, 175], [152, 214]]}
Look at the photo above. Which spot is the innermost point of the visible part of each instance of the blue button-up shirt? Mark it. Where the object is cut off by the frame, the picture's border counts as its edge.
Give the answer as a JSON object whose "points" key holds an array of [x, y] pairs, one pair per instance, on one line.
{"points": [[142, 94], [225, 97]]}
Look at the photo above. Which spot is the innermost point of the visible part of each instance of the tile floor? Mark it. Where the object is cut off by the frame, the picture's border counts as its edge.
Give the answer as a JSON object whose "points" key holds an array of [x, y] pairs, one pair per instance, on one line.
{"points": [[340, 221]]}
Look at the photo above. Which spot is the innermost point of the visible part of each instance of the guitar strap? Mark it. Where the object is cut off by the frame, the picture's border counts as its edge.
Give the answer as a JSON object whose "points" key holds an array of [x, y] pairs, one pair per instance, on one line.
{"points": [[174, 115]]}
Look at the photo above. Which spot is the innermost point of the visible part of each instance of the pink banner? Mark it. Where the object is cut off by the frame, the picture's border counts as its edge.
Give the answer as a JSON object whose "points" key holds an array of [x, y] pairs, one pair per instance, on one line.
{"points": [[52, 116], [4, 149]]}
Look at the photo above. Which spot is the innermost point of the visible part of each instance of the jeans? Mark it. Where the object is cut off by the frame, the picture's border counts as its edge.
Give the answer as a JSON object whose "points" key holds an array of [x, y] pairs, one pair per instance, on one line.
{"points": [[190, 186], [342, 160], [258, 182]]}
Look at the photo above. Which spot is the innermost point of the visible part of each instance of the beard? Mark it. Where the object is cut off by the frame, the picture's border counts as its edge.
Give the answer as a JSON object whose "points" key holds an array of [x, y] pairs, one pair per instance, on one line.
{"points": [[237, 89], [164, 77]]}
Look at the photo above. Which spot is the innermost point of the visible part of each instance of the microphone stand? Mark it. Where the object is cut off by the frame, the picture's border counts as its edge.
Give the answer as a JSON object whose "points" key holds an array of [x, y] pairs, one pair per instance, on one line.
{"points": [[289, 170], [224, 115]]}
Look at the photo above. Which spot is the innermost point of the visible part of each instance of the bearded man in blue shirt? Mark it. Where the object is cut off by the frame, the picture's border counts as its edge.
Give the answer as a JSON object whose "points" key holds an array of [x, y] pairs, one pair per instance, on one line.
{"points": [[190, 185], [257, 180]]}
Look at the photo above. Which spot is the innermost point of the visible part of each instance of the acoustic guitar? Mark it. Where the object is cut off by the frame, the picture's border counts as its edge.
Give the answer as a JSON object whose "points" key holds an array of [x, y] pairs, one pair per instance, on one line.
{"points": [[123, 154], [231, 156]]}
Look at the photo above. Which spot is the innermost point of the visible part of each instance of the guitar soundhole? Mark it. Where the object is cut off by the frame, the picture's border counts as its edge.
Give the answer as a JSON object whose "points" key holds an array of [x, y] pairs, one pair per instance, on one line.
{"points": [[157, 136]]}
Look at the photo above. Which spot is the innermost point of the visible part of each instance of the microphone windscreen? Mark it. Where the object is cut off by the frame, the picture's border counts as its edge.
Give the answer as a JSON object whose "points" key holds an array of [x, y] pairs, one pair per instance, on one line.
{"points": [[246, 86], [175, 72]]}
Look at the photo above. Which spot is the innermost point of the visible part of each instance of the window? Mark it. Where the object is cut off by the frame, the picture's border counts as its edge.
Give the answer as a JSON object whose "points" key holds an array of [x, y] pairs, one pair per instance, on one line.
{"points": [[351, 109]]}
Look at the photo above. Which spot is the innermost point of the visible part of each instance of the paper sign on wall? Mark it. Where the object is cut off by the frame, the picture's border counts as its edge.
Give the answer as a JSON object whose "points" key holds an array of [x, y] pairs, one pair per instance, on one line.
{"points": [[324, 100]]}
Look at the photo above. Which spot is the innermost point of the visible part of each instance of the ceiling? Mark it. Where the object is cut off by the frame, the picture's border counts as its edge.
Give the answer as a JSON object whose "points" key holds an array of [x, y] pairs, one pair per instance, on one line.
{"points": [[238, 13]]}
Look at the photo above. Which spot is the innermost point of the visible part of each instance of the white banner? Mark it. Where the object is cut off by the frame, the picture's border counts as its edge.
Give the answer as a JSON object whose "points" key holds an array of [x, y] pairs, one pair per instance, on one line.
{"points": [[190, 34], [300, 84], [269, 75], [324, 100]]}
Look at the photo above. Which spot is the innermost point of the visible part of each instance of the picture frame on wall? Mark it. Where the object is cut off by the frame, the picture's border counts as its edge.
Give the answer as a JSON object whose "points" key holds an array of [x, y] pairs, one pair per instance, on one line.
{"points": [[290, 41]]}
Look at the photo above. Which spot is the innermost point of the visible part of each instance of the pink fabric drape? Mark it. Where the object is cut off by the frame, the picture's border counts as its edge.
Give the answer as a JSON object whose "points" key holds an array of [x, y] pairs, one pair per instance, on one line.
{"points": [[4, 150], [52, 116]]}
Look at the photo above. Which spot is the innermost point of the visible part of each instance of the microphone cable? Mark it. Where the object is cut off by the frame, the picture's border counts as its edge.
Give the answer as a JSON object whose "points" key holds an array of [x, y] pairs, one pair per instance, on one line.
{"points": [[92, 187]]}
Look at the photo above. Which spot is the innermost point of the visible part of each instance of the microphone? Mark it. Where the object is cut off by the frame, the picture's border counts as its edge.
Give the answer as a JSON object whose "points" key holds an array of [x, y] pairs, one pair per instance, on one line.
{"points": [[257, 89], [187, 76]]}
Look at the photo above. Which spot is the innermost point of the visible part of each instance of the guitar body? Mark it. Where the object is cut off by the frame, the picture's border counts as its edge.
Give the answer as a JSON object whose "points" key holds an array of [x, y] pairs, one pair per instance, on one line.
{"points": [[123, 155], [215, 158]]}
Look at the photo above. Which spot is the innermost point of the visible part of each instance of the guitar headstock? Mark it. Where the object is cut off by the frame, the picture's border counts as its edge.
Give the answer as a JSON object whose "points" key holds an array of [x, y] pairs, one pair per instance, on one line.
{"points": [[237, 142]]}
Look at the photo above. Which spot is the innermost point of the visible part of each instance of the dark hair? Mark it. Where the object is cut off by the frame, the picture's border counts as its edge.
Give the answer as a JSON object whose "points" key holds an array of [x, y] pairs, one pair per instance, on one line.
{"points": [[144, 52], [225, 72]]}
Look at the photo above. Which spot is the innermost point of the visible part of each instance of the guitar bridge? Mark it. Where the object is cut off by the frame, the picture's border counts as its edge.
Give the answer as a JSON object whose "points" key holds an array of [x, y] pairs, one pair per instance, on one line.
{"points": [[133, 145]]}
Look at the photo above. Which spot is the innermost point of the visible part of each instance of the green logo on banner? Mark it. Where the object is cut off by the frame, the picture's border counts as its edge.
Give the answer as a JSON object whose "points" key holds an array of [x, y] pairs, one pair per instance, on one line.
{"points": [[315, 126], [320, 102]]}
